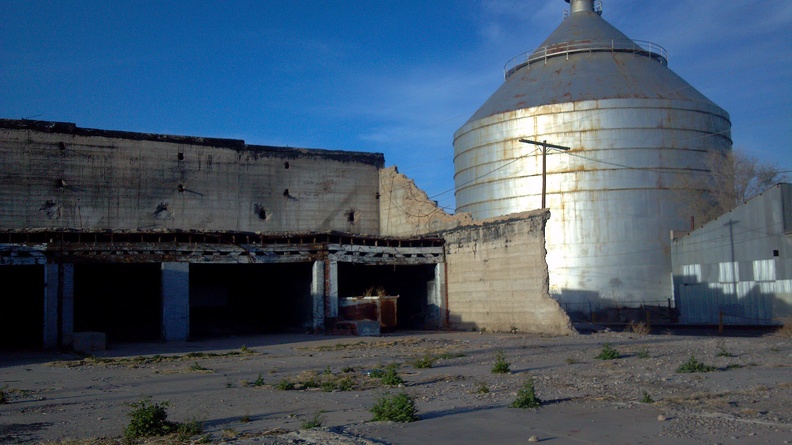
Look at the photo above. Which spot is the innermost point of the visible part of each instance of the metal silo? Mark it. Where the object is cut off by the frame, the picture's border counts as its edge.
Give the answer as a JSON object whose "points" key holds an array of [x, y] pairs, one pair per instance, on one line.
{"points": [[636, 130]]}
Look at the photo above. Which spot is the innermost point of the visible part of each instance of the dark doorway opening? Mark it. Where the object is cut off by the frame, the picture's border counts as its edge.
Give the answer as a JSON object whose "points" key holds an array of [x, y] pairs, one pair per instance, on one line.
{"points": [[122, 300], [22, 306], [245, 299], [411, 283]]}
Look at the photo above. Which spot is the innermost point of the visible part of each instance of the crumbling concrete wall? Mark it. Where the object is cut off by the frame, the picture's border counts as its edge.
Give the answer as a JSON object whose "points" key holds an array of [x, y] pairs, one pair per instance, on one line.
{"points": [[406, 210], [58, 175], [498, 277]]}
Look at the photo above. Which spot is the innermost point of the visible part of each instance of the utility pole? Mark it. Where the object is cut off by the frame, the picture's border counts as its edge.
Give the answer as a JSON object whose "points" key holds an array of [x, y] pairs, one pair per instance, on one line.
{"points": [[545, 146]]}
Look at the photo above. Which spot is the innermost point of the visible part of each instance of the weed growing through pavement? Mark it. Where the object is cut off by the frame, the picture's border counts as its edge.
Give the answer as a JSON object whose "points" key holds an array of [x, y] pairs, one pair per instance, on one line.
{"points": [[149, 418], [693, 365], [259, 381], [643, 353], [395, 408], [570, 361], [501, 366], [722, 352], [198, 368], [315, 422], [424, 362], [608, 353], [391, 377], [285, 385], [526, 396], [483, 388], [647, 398]]}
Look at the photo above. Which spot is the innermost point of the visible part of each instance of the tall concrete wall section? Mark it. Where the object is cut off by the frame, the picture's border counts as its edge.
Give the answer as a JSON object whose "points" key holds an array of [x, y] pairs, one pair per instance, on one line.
{"points": [[58, 175], [498, 276], [406, 210], [738, 265]]}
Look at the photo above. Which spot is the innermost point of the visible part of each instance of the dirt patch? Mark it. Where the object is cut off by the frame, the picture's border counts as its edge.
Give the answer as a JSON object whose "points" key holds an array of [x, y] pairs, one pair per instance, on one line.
{"points": [[235, 388]]}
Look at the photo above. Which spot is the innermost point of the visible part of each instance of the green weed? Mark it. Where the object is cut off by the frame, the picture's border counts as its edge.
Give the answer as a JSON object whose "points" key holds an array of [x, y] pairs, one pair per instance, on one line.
{"points": [[501, 366], [693, 365], [608, 353], [526, 396], [395, 408]]}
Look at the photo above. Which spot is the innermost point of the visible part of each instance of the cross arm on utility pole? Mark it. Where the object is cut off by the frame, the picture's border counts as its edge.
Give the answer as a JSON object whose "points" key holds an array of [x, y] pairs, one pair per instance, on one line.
{"points": [[545, 146]]}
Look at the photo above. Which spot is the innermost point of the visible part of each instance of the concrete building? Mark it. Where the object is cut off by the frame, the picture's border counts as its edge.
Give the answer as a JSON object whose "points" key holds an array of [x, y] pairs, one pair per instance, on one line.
{"points": [[738, 266], [146, 237]]}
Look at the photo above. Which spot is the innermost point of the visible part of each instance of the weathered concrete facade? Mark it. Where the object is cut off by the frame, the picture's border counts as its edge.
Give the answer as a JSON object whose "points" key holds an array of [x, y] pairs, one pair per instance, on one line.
{"points": [[119, 236], [57, 175], [498, 277]]}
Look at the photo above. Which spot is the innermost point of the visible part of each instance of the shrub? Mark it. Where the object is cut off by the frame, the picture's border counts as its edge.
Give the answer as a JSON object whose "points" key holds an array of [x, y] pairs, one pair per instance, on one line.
{"points": [[483, 388], [395, 408], [693, 365], [391, 377], [786, 328], [643, 353], [501, 366], [316, 422], [608, 353], [259, 381], [526, 396], [285, 385], [424, 362], [722, 352], [148, 419], [647, 398]]}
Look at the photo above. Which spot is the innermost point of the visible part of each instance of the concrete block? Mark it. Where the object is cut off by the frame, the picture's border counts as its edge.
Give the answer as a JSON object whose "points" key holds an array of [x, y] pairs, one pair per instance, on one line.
{"points": [[89, 341]]}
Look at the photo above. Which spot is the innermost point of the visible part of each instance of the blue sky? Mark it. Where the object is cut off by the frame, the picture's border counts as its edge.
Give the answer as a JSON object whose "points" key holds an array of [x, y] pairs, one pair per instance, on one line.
{"points": [[397, 77]]}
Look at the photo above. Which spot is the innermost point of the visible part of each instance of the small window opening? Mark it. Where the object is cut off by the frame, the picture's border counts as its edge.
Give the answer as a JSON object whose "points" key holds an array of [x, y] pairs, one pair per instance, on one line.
{"points": [[61, 146], [775, 253], [377, 195], [286, 165], [180, 156], [262, 214], [351, 216], [181, 188]]}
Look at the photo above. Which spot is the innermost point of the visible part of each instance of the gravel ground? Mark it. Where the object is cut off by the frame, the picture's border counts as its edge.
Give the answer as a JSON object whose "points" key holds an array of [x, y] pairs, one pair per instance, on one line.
{"points": [[231, 387]]}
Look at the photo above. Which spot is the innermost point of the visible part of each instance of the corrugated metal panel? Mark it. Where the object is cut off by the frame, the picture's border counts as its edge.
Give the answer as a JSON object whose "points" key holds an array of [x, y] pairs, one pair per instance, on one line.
{"points": [[764, 270]]}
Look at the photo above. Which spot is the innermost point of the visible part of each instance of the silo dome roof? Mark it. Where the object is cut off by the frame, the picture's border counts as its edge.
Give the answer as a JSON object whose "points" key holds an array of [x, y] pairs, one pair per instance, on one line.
{"points": [[586, 58]]}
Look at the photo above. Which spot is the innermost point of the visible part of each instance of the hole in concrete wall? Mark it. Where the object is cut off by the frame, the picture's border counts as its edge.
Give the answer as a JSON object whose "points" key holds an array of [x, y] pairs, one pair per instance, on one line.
{"points": [[61, 146], [411, 283], [775, 253], [122, 300], [60, 183], [286, 165], [351, 217], [377, 195], [181, 188], [286, 193], [180, 155], [52, 209], [22, 306], [244, 299], [262, 212]]}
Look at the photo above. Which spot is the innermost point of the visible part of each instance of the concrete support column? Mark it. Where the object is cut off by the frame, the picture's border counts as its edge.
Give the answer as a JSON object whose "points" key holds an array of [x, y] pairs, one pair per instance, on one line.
{"points": [[436, 300], [58, 305], [317, 294], [175, 301], [331, 280]]}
